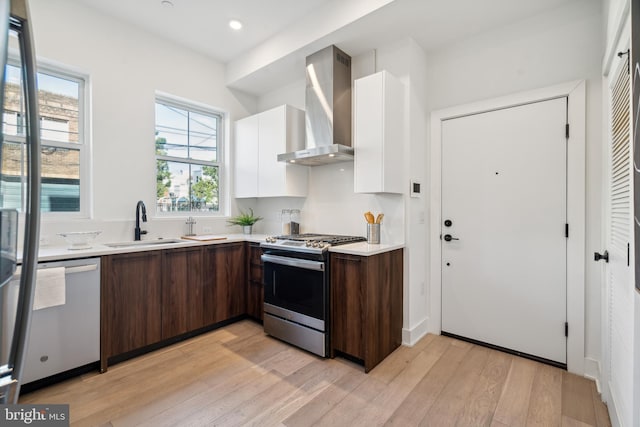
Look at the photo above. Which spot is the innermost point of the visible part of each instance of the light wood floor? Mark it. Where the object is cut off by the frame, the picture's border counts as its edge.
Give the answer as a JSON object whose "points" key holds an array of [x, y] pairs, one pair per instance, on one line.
{"points": [[238, 376]]}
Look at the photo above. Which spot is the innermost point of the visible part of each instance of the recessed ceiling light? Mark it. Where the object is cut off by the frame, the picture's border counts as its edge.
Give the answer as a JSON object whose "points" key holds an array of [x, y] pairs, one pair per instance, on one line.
{"points": [[332, 155], [292, 161], [166, 3], [235, 24]]}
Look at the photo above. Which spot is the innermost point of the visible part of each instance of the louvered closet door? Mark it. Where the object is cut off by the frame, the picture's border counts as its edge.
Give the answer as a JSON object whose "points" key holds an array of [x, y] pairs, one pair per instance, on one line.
{"points": [[620, 287]]}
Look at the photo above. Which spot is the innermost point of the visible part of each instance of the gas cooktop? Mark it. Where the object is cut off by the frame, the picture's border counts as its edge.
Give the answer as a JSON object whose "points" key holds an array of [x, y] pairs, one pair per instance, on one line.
{"points": [[309, 242]]}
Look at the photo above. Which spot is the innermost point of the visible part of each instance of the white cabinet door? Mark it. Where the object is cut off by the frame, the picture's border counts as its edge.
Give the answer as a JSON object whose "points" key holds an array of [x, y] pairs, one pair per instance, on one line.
{"points": [[271, 137], [259, 140], [246, 157], [378, 134]]}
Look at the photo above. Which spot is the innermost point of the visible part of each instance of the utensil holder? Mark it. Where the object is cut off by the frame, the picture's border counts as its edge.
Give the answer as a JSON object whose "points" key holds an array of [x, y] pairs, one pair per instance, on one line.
{"points": [[373, 233]]}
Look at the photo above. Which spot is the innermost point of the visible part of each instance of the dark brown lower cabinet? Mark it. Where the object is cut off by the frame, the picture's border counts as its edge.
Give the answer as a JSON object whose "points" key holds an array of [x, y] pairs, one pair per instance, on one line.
{"points": [[366, 305], [150, 297], [224, 281], [131, 300], [183, 307], [255, 288]]}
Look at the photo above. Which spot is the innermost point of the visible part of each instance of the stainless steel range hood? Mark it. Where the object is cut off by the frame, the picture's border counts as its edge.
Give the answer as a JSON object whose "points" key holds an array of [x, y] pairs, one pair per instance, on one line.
{"points": [[328, 110]]}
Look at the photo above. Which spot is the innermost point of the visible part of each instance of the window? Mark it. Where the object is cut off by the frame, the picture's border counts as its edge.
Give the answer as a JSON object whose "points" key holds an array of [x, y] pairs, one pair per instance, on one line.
{"points": [[61, 107], [188, 164]]}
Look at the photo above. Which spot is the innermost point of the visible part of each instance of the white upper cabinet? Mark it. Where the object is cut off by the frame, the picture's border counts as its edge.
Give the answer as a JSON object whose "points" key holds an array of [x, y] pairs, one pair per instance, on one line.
{"points": [[259, 140], [378, 135], [246, 157]]}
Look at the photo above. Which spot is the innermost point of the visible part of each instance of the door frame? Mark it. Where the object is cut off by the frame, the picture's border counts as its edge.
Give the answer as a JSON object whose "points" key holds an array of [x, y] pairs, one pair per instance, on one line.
{"points": [[575, 92]]}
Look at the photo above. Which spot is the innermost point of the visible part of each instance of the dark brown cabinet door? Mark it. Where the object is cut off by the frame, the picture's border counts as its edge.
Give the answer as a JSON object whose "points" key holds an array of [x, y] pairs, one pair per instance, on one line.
{"points": [[131, 302], [366, 300], [347, 301], [225, 282], [182, 291], [255, 287], [383, 329]]}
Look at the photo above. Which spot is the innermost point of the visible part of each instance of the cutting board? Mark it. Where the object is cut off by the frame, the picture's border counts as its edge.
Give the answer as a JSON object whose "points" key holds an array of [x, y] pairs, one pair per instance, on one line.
{"points": [[204, 237]]}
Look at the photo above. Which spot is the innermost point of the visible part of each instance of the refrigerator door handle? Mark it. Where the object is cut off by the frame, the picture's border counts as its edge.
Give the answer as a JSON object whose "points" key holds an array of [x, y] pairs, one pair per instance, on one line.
{"points": [[21, 23]]}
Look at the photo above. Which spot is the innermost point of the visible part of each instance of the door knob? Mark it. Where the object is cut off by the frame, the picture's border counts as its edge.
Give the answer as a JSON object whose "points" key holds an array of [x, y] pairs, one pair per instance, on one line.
{"points": [[597, 256], [449, 237]]}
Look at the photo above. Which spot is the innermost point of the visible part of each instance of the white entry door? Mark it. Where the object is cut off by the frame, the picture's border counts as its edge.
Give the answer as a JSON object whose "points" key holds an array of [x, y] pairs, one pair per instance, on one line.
{"points": [[504, 245]]}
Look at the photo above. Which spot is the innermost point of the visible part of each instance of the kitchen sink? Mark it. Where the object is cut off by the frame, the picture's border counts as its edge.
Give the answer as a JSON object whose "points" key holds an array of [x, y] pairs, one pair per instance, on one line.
{"points": [[139, 243]]}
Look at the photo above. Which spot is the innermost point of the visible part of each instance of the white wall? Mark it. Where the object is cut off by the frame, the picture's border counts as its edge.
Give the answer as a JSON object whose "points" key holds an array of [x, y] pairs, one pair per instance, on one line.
{"points": [[333, 207], [126, 66], [560, 46], [407, 60], [556, 47]]}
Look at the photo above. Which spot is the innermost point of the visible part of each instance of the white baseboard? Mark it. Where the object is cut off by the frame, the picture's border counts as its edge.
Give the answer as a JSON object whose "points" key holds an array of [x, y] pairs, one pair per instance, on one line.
{"points": [[413, 335], [614, 416], [592, 371]]}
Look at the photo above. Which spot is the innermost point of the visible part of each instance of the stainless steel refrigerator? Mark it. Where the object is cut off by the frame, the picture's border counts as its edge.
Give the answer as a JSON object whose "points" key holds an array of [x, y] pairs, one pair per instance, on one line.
{"points": [[15, 310]]}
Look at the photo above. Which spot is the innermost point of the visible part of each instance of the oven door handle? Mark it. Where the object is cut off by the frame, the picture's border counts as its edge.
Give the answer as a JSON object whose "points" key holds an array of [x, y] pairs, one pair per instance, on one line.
{"points": [[294, 262]]}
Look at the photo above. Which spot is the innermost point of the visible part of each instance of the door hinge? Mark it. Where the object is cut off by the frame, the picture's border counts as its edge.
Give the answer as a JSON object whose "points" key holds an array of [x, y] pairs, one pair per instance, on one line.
{"points": [[566, 231], [566, 329], [566, 130], [628, 54]]}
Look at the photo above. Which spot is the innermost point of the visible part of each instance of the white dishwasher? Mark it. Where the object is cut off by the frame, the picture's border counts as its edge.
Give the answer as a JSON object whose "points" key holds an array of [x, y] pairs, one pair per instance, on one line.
{"points": [[67, 336]]}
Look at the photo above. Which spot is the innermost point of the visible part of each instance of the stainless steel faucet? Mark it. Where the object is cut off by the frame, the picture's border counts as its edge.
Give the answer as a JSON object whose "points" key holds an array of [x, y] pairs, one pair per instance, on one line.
{"points": [[191, 221], [138, 232]]}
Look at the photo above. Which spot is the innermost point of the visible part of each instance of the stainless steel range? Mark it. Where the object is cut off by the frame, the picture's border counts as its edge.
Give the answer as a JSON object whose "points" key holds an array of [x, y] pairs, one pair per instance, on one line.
{"points": [[296, 288]]}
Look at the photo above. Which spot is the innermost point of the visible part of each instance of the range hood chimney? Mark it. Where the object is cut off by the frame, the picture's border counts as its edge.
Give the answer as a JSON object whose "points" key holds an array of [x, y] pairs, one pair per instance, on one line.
{"points": [[328, 110]]}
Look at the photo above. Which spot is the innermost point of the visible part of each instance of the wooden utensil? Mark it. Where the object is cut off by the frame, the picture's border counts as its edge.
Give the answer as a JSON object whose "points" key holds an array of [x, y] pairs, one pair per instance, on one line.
{"points": [[368, 216], [379, 218]]}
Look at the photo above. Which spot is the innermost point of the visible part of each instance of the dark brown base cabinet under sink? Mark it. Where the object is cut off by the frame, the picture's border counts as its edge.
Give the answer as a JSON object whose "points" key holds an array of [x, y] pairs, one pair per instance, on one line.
{"points": [[130, 303], [157, 297], [366, 305]]}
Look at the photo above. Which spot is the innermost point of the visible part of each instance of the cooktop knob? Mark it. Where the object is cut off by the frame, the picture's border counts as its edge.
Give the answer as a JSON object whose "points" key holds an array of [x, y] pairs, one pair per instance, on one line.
{"points": [[307, 243]]}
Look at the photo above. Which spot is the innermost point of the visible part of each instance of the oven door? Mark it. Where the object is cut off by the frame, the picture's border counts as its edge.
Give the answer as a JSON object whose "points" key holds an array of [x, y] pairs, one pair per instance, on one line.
{"points": [[294, 289]]}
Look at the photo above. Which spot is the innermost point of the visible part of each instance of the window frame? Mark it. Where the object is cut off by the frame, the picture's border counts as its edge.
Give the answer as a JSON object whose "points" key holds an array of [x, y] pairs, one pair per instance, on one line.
{"points": [[200, 108], [83, 146]]}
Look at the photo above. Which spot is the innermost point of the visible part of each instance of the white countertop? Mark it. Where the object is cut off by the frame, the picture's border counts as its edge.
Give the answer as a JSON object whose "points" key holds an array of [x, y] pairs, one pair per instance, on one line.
{"points": [[59, 253], [365, 249]]}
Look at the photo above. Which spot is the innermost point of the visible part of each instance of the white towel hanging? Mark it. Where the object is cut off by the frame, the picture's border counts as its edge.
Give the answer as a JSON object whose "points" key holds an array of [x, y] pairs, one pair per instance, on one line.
{"points": [[50, 288]]}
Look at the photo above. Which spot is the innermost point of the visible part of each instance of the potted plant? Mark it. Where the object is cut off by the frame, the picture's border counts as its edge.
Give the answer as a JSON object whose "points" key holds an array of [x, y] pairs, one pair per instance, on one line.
{"points": [[246, 220]]}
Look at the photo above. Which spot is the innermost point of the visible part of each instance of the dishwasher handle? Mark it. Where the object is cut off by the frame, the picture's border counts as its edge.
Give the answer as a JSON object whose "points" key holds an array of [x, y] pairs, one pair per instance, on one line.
{"points": [[68, 270], [81, 268]]}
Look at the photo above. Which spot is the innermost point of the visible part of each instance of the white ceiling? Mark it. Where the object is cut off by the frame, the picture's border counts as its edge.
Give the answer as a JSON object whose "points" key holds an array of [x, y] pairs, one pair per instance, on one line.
{"points": [[203, 26]]}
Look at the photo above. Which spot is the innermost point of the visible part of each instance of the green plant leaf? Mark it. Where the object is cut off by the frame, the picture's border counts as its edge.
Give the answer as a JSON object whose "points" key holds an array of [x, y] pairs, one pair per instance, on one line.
{"points": [[244, 218]]}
